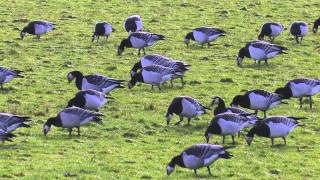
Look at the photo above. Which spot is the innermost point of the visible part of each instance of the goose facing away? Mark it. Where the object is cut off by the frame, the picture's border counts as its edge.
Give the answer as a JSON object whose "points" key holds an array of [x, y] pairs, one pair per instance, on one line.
{"points": [[133, 24]]}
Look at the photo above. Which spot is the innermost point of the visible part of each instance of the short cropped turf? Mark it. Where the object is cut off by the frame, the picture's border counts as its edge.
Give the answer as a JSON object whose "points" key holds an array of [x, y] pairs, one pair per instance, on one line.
{"points": [[134, 141]]}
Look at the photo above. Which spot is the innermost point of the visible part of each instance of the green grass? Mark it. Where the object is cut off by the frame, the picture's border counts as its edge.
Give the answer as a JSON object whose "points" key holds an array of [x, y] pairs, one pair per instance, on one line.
{"points": [[134, 141]]}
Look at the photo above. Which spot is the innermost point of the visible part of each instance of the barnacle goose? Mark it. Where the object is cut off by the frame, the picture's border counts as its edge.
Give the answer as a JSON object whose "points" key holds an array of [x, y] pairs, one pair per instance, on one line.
{"points": [[274, 127], [94, 81], [89, 99], [316, 25], [221, 108], [139, 40], [228, 124], [185, 106], [102, 29], [72, 117], [37, 28], [5, 136], [204, 35], [299, 29], [258, 100], [272, 30], [133, 23], [198, 156], [156, 59], [260, 51], [6, 75], [299, 88], [155, 75], [10, 122]]}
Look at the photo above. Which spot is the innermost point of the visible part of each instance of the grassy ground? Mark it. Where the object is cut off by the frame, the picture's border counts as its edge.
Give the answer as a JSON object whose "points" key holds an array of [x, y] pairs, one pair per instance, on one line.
{"points": [[134, 141]]}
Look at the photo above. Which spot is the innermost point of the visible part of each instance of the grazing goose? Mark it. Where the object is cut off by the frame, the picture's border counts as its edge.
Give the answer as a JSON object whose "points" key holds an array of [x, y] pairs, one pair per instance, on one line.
{"points": [[272, 30], [102, 29], [89, 99], [221, 108], [155, 59], [155, 75], [299, 29], [5, 136], [299, 88], [94, 81], [259, 51], [10, 122], [133, 23], [228, 124], [185, 106], [6, 75], [274, 127], [204, 35], [316, 25], [198, 156], [258, 100], [37, 28], [139, 40], [72, 117]]}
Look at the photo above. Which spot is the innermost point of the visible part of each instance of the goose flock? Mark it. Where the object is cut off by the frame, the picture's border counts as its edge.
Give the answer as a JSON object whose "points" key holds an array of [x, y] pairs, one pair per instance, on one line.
{"points": [[155, 70]]}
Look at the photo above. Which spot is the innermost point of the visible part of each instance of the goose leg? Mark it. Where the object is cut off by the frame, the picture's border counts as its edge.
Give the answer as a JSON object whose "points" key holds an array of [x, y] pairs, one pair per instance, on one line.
{"points": [[182, 83], [209, 171], [297, 39], [159, 86], [259, 62], [144, 52], [139, 52], [233, 142], [189, 119], [171, 81], [209, 44], [181, 119], [301, 39], [284, 140], [264, 114], [195, 171], [239, 134], [38, 37], [300, 100], [223, 138], [78, 131], [107, 37], [310, 102], [69, 130], [272, 141], [2, 87], [151, 87], [256, 112], [266, 61]]}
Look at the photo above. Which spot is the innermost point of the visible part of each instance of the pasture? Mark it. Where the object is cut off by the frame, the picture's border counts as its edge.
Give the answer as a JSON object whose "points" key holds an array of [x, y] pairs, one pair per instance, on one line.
{"points": [[134, 141]]}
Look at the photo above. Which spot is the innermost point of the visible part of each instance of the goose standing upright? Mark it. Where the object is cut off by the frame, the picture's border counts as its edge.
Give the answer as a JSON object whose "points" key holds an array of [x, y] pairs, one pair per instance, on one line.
{"points": [[204, 35], [272, 30], [258, 100], [37, 28], [72, 117], [198, 156], [299, 88], [221, 108], [139, 40], [274, 127], [94, 81], [102, 29], [299, 29], [155, 59], [6, 75], [185, 106], [260, 51], [133, 23]]}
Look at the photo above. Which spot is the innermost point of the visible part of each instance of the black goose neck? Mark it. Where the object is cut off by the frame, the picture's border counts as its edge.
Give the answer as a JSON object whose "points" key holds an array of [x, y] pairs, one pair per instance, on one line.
{"points": [[190, 36]]}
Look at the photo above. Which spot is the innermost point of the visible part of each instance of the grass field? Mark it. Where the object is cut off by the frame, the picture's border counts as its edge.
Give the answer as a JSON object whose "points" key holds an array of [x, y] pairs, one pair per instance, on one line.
{"points": [[134, 141]]}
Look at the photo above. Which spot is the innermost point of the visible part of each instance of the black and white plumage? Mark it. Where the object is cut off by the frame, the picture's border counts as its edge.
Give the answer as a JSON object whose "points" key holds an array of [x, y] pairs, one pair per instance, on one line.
{"points": [[102, 29], [299, 29], [6, 75], [133, 23], [260, 51], [316, 25], [272, 30], [72, 117], [274, 127], [37, 28], [258, 100], [94, 81], [299, 88], [204, 35], [185, 106], [156, 59], [198, 156], [155, 75], [139, 40], [10, 122], [5, 136], [229, 124], [221, 108], [89, 99]]}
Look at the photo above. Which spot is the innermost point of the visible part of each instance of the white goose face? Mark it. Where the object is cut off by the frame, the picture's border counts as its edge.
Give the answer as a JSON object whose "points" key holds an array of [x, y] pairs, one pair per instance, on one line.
{"points": [[70, 77], [239, 61], [46, 129], [130, 85], [249, 140], [94, 37], [169, 170], [187, 41], [22, 34], [132, 73], [216, 101], [315, 30]]}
